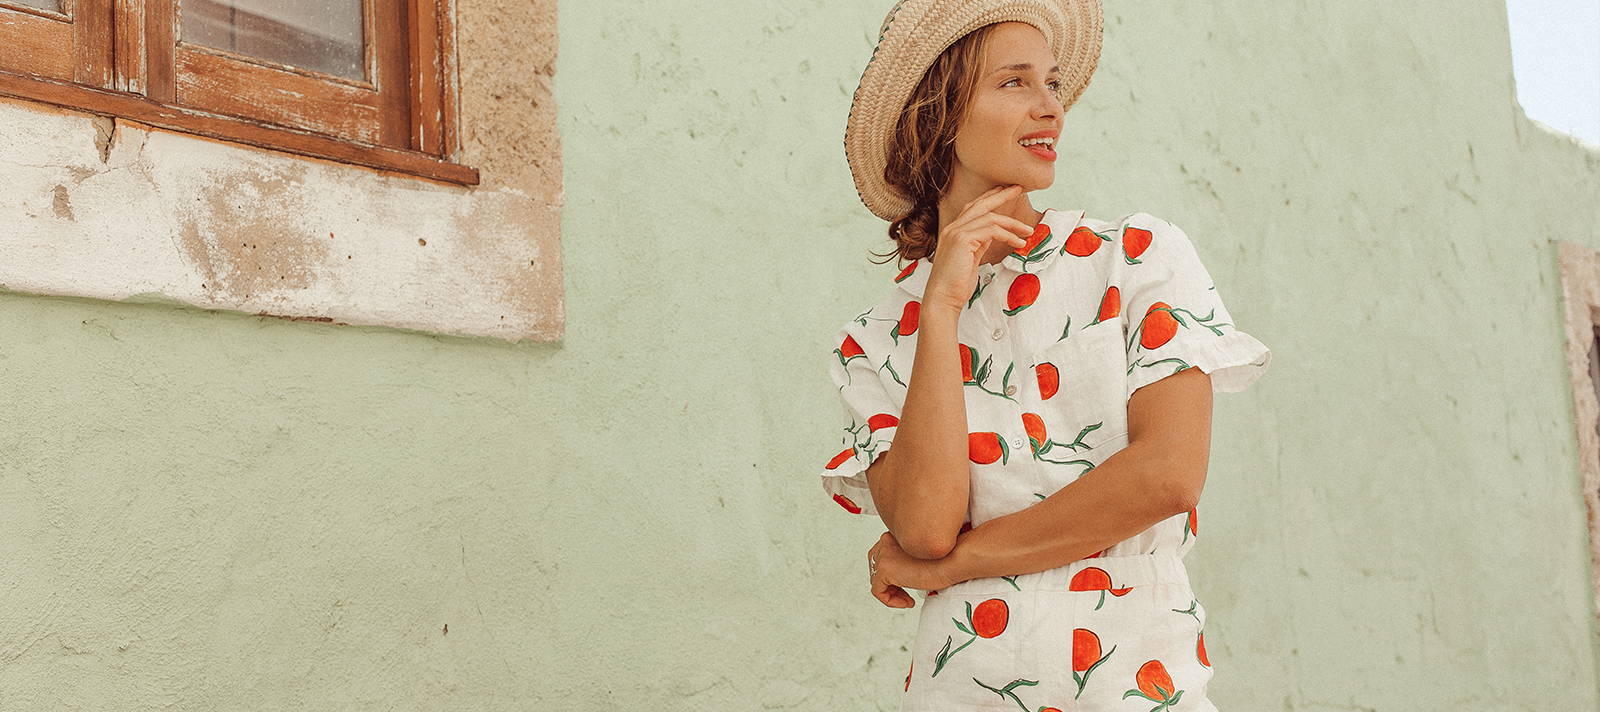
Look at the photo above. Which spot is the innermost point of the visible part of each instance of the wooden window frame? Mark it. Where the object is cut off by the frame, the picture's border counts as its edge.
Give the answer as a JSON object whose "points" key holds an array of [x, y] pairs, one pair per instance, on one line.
{"points": [[124, 60]]}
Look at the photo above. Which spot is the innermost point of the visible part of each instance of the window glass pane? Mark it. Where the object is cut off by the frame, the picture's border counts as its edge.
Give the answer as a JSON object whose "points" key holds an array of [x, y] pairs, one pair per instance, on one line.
{"points": [[320, 35], [51, 5]]}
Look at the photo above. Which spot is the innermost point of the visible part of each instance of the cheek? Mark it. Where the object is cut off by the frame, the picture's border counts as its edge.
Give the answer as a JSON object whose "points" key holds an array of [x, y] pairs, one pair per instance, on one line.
{"points": [[983, 142]]}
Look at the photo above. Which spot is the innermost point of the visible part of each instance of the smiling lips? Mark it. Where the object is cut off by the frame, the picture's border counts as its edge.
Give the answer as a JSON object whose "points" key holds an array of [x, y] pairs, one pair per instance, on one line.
{"points": [[1041, 150]]}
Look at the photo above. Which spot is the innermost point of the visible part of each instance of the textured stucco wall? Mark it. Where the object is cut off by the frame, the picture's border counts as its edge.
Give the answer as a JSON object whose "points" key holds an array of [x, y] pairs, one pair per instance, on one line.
{"points": [[205, 510]]}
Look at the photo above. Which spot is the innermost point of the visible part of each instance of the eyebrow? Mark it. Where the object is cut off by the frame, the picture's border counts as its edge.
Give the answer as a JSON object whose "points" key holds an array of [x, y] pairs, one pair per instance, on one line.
{"points": [[1022, 67]]}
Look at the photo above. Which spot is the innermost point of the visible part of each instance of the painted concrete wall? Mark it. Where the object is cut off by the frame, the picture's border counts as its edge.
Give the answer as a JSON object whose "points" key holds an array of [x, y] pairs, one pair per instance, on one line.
{"points": [[207, 510]]}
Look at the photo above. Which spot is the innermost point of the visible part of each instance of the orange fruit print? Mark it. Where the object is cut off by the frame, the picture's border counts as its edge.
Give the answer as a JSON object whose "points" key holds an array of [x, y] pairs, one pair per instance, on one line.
{"points": [[984, 448], [989, 618], [881, 421], [1158, 326], [848, 505], [1034, 425], [1023, 293], [1049, 379], [1040, 233], [1096, 579], [908, 674], [850, 349], [1086, 656], [1134, 242], [1200, 649], [906, 272], [1082, 242], [969, 363], [840, 458], [1154, 684], [908, 321], [1110, 304]]}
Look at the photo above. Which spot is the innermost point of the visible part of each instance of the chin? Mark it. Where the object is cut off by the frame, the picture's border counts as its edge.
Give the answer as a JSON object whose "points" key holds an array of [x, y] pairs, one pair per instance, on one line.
{"points": [[1029, 183]]}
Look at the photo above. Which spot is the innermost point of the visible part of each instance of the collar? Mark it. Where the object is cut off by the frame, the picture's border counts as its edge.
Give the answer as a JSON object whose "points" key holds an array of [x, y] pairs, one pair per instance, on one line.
{"points": [[1047, 241]]}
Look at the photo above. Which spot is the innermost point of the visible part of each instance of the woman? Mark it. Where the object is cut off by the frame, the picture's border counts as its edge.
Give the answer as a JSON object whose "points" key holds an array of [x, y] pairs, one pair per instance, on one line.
{"points": [[1040, 493]]}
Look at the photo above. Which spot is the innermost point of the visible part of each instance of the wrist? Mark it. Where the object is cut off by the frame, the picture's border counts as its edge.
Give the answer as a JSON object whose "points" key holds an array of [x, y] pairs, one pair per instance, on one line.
{"points": [[956, 566], [940, 312]]}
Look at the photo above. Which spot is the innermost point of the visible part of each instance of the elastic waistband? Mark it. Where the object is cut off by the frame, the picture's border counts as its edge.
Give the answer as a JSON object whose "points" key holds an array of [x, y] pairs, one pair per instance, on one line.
{"points": [[1098, 573]]}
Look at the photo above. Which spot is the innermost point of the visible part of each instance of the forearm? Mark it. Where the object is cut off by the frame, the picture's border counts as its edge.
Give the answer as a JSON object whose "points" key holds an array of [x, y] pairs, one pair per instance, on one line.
{"points": [[1116, 500], [922, 496]]}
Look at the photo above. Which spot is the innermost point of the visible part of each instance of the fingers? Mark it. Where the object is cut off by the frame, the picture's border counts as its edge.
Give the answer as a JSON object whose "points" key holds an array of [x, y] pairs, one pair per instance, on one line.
{"points": [[997, 232], [988, 201], [891, 595]]}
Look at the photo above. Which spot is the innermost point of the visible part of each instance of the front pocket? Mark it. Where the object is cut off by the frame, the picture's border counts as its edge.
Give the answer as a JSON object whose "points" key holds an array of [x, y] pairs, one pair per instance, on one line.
{"points": [[1083, 387]]}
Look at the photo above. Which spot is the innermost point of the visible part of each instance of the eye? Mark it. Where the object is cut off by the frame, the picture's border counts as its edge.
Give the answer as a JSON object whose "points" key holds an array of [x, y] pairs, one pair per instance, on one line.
{"points": [[1054, 82]]}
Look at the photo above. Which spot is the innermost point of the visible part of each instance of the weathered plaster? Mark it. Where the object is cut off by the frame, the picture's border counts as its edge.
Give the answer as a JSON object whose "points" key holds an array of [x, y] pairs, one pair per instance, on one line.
{"points": [[108, 208], [1580, 281]]}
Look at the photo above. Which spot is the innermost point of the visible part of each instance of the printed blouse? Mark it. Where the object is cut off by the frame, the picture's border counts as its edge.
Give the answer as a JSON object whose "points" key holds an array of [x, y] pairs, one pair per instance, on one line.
{"points": [[1054, 340]]}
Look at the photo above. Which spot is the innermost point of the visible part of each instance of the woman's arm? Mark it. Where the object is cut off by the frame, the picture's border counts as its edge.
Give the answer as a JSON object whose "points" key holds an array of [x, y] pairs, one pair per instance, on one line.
{"points": [[921, 485], [1114, 501], [1158, 475]]}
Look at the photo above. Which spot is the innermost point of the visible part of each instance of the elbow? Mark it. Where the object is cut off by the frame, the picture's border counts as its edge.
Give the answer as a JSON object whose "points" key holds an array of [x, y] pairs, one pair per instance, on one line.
{"points": [[930, 547], [1183, 497]]}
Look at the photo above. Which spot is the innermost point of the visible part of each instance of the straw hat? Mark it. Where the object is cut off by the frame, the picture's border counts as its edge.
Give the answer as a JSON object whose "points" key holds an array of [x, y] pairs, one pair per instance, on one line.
{"points": [[913, 34]]}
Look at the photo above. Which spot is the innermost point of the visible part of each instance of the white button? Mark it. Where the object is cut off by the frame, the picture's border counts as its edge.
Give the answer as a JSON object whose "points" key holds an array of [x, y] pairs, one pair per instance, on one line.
{"points": [[999, 333], [1011, 390], [1017, 443]]}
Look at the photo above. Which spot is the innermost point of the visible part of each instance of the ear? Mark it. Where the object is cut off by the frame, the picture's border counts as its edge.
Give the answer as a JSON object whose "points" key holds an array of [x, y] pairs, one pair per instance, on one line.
{"points": [[1172, 417]]}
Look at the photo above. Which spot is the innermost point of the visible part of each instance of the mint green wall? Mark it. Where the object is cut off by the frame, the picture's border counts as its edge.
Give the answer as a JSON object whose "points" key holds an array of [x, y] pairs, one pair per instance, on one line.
{"points": [[214, 511]]}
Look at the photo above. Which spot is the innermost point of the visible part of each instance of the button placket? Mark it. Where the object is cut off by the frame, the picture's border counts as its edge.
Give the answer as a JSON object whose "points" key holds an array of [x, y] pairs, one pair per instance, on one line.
{"points": [[1019, 438]]}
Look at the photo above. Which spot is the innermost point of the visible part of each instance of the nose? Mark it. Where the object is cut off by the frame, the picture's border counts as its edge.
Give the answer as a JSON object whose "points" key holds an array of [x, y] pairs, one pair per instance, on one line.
{"points": [[1049, 105]]}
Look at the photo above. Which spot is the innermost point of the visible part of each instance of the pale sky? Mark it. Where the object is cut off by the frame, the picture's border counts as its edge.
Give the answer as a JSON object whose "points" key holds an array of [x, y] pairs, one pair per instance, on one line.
{"points": [[1555, 56]]}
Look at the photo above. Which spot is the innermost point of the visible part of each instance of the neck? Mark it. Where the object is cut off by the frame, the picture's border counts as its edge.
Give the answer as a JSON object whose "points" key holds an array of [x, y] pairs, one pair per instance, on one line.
{"points": [[1018, 207]]}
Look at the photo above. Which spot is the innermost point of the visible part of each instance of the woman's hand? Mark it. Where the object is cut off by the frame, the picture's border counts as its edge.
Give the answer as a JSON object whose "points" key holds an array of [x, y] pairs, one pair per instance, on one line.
{"points": [[964, 242], [898, 571]]}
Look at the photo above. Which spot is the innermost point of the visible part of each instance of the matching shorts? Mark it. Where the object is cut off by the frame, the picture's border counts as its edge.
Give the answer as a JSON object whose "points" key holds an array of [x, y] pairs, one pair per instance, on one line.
{"points": [[1106, 633]]}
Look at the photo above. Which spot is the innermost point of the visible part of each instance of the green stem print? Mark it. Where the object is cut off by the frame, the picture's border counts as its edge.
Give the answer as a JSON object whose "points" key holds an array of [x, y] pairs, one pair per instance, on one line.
{"points": [[1193, 607], [975, 292], [862, 317], [1007, 692], [861, 436], [982, 375], [1040, 449], [1039, 251], [892, 372], [1181, 365]]}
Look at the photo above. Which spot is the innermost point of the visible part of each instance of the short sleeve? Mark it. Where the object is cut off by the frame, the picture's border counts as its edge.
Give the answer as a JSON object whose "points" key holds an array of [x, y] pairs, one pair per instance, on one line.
{"points": [[1173, 314], [866, 425]]}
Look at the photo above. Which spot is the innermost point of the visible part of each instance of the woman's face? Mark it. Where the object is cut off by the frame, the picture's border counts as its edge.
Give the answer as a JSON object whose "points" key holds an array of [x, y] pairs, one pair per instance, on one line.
{"points": [[1008, 104]]}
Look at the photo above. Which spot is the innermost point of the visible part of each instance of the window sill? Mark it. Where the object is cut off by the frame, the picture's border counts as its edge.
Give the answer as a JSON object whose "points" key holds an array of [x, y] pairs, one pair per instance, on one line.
{"points": [[227, 128]]}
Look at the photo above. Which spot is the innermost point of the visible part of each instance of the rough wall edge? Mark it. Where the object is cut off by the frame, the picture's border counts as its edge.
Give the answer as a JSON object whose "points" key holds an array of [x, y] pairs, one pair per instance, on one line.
{"points": [[158, 299], [1580, 283]]}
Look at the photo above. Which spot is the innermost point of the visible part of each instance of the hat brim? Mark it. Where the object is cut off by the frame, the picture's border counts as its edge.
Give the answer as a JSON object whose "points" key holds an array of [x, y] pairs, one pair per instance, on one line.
{"points": [[913, 35]]}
